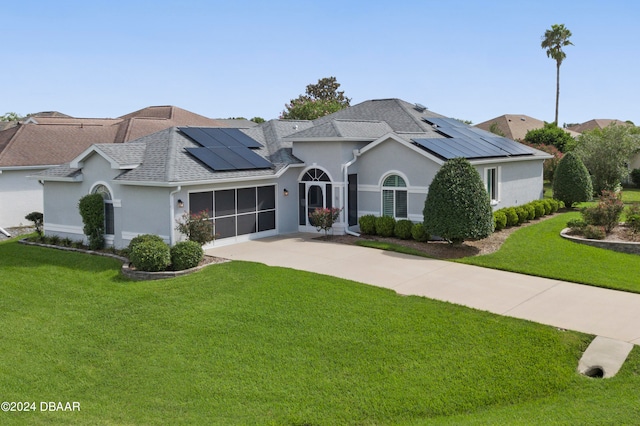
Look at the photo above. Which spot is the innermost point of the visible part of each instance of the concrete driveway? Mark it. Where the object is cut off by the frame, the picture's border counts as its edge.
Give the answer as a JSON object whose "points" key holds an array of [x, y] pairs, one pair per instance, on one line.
{"points": [[608, 313]]}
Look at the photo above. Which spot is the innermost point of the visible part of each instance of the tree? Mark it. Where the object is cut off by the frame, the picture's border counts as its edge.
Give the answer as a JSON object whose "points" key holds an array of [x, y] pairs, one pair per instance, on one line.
{"points": [[457, 207], [319, 100], [495, 129], [258, 120], [551, 134], [607, 152], [572, 183], [554, 40], [10, 116]]}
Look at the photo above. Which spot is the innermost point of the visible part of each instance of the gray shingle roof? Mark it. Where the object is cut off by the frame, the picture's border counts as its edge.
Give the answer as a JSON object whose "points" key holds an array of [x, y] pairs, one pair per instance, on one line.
{"points": [[362, 129]]}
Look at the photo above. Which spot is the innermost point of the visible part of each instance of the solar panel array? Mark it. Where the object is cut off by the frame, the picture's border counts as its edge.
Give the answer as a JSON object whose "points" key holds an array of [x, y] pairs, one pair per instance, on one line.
{"points": [[469, 142], [225, 149]]}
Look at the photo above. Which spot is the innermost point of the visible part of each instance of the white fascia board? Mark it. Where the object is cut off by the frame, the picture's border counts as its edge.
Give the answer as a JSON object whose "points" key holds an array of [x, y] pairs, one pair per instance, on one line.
{"points": [[18, 168], [78, 178], [509, 159], [332, 139]]}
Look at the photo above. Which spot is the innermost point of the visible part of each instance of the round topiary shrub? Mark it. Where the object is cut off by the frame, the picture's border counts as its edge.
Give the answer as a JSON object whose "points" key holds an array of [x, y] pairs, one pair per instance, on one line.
{"points": [[418, 233], [151, 255], [385, 225], [547, 206], [367, 224], [539, 208], [185, 255], [572, 183], [144, 238], [523, 215], [458, 207], [403, 229], [499, 220], [512, 216], [531, 210]]}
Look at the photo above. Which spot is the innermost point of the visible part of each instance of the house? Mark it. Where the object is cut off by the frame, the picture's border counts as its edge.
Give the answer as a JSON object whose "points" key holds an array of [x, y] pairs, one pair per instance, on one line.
{"points": [[515, 126], [377, 157], [48, 139], [596, 123]]}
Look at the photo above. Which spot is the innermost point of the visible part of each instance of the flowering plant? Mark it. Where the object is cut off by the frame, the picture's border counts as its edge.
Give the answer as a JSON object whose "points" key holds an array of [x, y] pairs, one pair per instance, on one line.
{"points": [[324, 218]]}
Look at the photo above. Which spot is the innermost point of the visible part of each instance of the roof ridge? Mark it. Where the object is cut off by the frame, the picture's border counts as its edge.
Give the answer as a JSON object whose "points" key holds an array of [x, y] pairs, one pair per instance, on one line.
{"points": [[171, 159], [420, 122]]}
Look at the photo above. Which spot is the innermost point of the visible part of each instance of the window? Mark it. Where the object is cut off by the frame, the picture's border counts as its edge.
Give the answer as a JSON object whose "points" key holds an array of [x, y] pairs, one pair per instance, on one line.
{"points": [[108, 208], [394, 197], [492, 183]]}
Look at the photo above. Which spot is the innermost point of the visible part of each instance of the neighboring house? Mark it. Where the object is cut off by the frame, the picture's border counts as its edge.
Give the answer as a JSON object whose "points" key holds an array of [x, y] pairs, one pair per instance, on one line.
{"points": [[515, 126], [377, 157], [596, 123], [48, 139]]}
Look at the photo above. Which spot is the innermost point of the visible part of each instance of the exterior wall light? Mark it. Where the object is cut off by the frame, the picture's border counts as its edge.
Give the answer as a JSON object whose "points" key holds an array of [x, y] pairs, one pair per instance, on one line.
{"points": [[285, 192], [180, 204]]}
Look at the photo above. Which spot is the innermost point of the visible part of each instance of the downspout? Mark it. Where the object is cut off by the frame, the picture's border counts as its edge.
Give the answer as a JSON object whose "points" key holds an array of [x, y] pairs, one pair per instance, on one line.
{"points": [[345, 169], [2, 230], [172, 238]]}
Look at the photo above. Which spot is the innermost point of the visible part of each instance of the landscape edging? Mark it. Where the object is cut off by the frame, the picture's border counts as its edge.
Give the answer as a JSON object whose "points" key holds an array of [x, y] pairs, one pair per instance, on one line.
{"points": [[619, 246]]}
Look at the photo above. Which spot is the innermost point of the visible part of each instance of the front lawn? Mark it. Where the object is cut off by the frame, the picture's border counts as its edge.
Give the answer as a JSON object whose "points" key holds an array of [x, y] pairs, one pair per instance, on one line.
{"points": [[539, 250], [243, 343]]}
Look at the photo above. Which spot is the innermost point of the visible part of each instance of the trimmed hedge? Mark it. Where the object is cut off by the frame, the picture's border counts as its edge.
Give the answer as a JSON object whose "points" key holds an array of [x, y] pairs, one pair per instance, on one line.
{"points": [[143, 238], [186, 255], [499, 220], [512, 216], [419, 233], [367, 224], [150, 255], [403, 228], [385, 225]]}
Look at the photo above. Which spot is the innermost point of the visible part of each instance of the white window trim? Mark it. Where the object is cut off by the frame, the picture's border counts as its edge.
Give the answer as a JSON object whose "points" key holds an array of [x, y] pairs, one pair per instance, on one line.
{"points": [[395, 189], [497, 183]]}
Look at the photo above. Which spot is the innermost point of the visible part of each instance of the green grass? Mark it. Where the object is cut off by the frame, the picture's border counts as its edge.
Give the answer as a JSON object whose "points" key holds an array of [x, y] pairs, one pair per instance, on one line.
{"points": [[243, 343], [539, 250]]}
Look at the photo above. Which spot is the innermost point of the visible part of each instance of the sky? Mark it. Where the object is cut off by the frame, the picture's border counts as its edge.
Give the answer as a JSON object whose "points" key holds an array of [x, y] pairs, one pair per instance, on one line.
{"points": [[467, 59]]}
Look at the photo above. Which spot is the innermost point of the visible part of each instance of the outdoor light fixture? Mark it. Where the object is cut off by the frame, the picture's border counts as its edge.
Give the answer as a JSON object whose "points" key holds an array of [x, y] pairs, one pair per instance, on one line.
{"points": [[286, 193], [180, 203]]}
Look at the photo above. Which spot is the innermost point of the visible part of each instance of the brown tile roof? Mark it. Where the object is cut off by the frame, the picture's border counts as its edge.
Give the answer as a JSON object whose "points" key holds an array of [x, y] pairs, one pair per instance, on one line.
{"points": [[53, 139], [597, 123], [515, 126]]}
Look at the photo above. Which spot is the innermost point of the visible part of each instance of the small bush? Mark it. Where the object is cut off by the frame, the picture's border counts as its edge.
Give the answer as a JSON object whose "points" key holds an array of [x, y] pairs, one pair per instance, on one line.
{"points": [[185, 255], [144, 238], [523, 215], [577, 225], [367, 224], [633, 216], [150, 255], [385, 226], [54, 240], [38, 220], [512, 216], [531, 210], [572, 183], [606, 213], [635, 177], [66, 242], [197, 227], [539, 209], [403, 228], [419, 233], [547, 206], [594, 232], [91, 208], [555, 205], [499, 220]]}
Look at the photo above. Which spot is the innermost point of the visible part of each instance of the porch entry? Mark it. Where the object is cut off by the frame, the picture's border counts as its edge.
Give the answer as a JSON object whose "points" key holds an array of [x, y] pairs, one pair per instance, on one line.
{"points": [[314, 192]]}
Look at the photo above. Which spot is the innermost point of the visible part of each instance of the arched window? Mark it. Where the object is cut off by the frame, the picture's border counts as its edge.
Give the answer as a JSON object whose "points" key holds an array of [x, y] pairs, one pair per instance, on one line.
{"points": [[394, 197], [315, 175], [108, 208]]}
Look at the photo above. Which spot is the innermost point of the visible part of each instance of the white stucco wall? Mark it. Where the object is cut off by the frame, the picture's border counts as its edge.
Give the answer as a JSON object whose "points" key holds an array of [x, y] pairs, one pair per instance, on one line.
{"points": [[519, 182], [19, 196]]}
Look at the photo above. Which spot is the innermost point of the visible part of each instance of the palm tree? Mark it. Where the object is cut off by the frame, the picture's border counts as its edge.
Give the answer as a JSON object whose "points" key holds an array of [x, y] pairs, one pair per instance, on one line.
{"points": [[554, 40]]}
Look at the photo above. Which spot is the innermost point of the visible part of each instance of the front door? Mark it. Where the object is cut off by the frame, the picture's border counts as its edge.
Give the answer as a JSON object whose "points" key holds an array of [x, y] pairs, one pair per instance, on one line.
{"points": [[315, 193]]}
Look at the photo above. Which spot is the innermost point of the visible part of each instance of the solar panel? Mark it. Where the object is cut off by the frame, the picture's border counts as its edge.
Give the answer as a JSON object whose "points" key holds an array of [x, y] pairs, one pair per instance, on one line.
{"points": [[210, 136], [225, 149]]}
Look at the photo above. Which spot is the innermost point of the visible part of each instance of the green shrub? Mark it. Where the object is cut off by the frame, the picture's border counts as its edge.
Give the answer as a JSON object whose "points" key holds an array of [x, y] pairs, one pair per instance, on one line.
{"points": [[92, 211], [635, 177], [512, 216], [385, 226], [367, 224], [458, 207], [594, 232], [633, 217], [197, 227], [539, 209], [577, 224], [66, 242], [38, 220], [606, 213], [403, 228], [531, 210], [419, 233], [150, 255], [547, 206], [144, 238], [555, 205], [523, 215], [499, 220], [572, 183], [185, 255], [54, 240]]}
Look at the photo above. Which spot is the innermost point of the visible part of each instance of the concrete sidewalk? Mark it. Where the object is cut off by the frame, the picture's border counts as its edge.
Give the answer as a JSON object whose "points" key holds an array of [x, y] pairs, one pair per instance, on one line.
{"points": [[608, 313]]}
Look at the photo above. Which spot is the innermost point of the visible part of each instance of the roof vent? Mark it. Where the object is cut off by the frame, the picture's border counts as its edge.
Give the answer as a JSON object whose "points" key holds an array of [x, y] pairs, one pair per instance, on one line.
{"points": [[523, 119], [420, 107]]}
